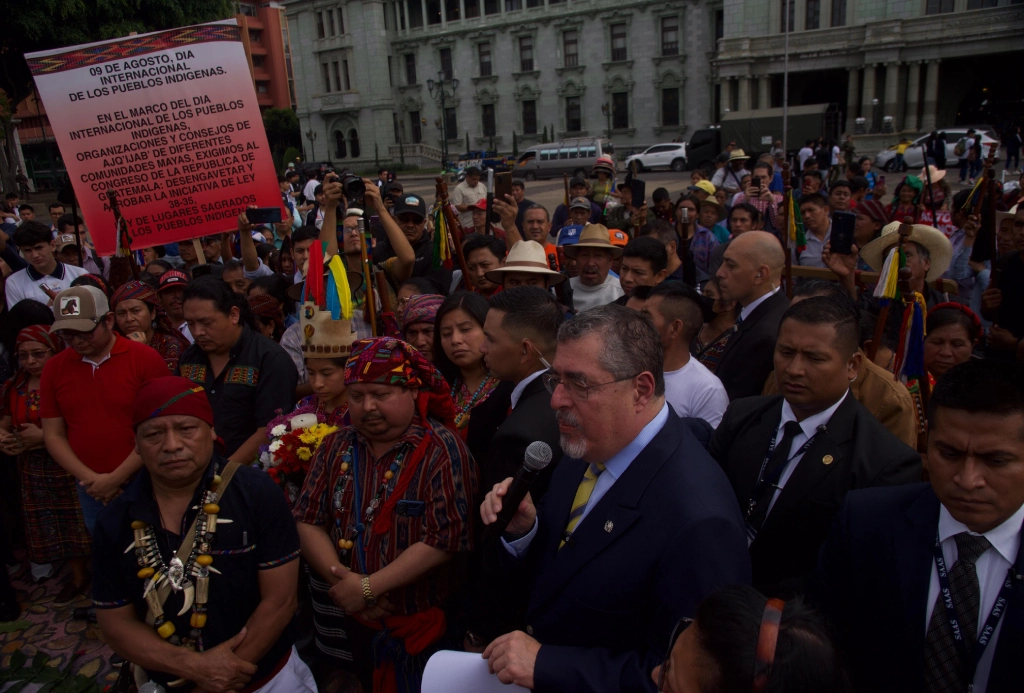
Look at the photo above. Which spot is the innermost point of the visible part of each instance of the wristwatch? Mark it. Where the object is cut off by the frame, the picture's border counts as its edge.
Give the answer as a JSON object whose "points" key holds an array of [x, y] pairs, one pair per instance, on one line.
{"points": [[368, 597]]}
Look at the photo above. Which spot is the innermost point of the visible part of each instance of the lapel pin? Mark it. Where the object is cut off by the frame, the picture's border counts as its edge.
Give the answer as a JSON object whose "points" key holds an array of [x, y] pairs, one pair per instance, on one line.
{"points": [[827, 459], [609, 526]]}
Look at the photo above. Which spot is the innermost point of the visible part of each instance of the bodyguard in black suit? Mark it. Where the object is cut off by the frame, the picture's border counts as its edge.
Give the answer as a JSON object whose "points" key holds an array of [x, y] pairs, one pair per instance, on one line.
{"points": [[521, 331], [836, 445], [880, 575], [638, 526], [751, 274]]}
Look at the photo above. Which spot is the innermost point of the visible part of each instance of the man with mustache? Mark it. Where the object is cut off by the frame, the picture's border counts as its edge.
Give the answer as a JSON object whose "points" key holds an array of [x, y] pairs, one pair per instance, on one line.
{"points": [[923, 582], [638, 525], [593, 254], [383, 515], [792, 458], [221, 621]]}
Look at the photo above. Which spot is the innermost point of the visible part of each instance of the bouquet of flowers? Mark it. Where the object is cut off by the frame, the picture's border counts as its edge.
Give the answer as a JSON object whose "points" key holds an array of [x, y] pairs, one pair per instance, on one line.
{"points": [[294, 437]]}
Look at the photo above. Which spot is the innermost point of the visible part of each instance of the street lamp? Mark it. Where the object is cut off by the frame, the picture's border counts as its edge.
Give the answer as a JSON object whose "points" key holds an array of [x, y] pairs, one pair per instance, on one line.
{"points": [[311, 136], [437, 91], [606, 109]]}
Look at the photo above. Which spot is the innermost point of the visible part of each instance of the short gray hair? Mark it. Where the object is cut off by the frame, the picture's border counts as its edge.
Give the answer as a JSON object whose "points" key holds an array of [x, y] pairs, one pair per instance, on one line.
{"points": [[631, 344]]}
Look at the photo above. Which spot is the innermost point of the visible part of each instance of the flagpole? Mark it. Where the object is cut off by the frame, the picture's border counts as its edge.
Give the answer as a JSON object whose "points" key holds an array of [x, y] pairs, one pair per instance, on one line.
{"points": [[785, 82]]}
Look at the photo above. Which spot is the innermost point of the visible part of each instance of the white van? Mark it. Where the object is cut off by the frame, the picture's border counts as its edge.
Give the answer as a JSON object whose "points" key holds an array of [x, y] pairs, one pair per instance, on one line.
{"points": [[575, 157]]}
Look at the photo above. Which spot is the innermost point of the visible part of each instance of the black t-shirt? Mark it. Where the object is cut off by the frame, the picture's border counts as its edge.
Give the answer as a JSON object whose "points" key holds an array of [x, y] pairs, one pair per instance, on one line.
{"points": [[1010, 280], [260, 536], [257, 384]]}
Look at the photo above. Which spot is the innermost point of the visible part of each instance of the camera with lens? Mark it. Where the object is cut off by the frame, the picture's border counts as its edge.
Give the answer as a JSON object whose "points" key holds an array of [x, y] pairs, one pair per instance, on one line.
{"points": [[352, 186]]}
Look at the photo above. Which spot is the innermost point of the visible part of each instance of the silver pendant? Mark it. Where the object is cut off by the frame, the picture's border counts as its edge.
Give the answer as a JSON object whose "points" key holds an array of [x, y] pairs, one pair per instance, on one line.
{"points": [[176, 573]]}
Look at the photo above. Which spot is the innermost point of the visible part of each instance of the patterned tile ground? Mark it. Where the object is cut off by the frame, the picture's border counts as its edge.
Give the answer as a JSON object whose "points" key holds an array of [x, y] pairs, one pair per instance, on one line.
{"points": [[53, 631]]}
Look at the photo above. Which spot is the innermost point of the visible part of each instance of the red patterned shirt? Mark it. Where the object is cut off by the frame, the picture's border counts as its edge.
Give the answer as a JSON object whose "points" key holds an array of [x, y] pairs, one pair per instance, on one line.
{"points": [[443, 482]]}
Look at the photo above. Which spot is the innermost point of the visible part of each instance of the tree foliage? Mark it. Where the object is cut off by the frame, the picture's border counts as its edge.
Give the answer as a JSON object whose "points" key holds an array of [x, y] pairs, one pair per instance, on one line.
{"points": [[283, 133]]}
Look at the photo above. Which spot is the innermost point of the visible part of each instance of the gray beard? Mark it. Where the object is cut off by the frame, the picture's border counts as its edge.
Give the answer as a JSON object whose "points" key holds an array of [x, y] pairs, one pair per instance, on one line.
{"points": [[573, 448]]}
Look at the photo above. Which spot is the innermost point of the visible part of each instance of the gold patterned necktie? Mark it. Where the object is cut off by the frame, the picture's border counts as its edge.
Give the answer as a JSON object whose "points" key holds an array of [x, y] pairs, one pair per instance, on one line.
{"points": [[579, 503]]}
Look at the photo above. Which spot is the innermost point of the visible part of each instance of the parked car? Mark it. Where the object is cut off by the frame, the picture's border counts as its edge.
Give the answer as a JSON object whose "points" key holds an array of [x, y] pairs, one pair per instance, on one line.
{"points": [[913, 158], [671, 155], [575, 157]]}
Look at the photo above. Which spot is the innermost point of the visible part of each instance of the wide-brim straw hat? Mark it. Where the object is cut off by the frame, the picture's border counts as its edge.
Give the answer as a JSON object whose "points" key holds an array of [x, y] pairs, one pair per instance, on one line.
{"points": [[939, 248], [931, 173], [738, 154], [593, 236], [527, 257]]}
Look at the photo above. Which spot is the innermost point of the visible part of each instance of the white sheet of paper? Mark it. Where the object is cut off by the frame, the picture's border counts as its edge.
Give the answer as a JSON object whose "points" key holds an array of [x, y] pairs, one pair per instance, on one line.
{"points": [[449, 671]]}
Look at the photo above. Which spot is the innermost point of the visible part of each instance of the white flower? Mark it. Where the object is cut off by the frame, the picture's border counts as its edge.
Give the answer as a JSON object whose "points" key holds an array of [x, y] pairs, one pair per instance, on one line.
{"points": [[275, 446], [278, 430]]}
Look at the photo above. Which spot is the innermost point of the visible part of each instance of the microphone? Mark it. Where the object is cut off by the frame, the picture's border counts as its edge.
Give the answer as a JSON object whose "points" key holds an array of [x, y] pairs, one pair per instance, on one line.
{"points": [[537, 457]]}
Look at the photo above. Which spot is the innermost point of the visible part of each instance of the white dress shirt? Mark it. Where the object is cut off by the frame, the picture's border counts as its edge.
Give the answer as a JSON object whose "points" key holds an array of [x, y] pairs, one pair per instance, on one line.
{"points": [[991, 567], [521, 385], [808, 427], [748, 309], [613, 469]]}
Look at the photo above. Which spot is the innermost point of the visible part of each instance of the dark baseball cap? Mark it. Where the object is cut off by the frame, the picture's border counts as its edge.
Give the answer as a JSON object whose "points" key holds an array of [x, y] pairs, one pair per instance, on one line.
{"points": [[409, 204], [172, 278], [577, 181]]}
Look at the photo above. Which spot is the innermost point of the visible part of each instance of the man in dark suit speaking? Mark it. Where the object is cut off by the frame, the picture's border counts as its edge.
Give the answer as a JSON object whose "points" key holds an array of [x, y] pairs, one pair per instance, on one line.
{"points": [[639, 524], [923, 583], [792, 459], [751, 274]]}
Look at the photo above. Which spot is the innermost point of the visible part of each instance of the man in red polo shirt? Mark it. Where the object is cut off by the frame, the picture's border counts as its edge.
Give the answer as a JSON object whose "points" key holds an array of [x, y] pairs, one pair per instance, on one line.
{"points": [[87, 397]]}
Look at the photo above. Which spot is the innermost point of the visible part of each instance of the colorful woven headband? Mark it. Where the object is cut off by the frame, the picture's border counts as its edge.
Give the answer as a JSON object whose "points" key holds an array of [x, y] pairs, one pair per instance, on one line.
{"points": [[136, 290], [975, 320], [41, 334], [422, 308]]}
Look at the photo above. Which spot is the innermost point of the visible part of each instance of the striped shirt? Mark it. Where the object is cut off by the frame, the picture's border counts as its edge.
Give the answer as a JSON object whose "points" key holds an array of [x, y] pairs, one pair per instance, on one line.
{"points": [[444, 481]]}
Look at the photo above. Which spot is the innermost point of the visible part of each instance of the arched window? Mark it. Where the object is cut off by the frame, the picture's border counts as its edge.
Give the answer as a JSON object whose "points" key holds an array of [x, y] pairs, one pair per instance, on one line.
{"points": [[339, 145], [353, 143]]}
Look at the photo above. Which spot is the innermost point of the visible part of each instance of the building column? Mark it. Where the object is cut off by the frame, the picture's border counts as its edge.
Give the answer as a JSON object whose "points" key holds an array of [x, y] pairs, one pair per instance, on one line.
{"points": [[764, 92], [931, 96], [913, 89], [444, 21], [868, 93], [744, 100], [723, 96], [852, 92], [892, 90]]}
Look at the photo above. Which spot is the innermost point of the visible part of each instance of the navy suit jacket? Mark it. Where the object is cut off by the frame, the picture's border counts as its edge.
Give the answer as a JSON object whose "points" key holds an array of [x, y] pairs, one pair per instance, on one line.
{"points": [[872, 582], [666, 534]]}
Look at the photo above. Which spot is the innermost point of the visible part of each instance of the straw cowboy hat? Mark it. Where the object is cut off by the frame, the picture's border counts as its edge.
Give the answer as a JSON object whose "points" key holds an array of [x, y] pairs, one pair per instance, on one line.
{"points": [[738, 154], [932, 173], [593, 236], [939, 248], [527, 257]]}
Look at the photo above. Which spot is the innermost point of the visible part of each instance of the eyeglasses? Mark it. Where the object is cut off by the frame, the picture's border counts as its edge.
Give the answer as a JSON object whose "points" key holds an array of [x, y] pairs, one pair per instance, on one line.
{"points": [[36, 355], [682, 625], [71, 335], [577, 389]]}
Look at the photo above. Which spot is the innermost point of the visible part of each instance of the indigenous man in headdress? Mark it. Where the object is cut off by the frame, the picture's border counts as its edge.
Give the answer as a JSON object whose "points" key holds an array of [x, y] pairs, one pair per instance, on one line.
{"points": [[383, 512], [205, 592]]}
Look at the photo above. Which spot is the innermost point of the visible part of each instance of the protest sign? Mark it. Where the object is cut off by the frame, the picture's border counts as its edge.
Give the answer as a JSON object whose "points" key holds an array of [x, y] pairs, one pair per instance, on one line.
{"points": [[169, 121]]}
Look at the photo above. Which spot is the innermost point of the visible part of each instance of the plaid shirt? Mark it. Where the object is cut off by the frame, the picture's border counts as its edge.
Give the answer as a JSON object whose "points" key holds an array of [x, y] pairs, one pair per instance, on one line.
{"points": [[445, 480], [769, 210], [701, 245]]}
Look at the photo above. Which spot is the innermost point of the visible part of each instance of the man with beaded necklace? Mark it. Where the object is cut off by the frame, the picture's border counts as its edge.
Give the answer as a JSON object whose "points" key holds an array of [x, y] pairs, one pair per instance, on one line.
{"points": [[382, 514], [205, 592]]}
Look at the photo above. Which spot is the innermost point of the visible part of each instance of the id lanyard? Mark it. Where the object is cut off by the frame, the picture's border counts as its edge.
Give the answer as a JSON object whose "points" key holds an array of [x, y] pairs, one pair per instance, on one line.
{"points": [[773, 478], [968, 658]]}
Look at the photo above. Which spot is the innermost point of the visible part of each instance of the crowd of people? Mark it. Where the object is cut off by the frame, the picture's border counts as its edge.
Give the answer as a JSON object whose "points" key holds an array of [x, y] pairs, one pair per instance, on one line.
{"points": [[754, 479]]}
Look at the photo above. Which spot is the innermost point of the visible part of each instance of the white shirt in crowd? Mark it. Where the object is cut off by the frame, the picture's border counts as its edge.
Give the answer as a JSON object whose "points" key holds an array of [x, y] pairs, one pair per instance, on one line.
{"points": [[586, 297], [310, 188], [28, 283], [749, 308], [835, 155], [695, 391], [804, 154], [465, 195], [991, 568]]}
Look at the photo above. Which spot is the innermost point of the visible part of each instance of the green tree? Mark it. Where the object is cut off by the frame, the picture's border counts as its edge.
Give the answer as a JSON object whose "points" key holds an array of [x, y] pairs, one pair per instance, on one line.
{"points": [[45, 24], [283, 132]]}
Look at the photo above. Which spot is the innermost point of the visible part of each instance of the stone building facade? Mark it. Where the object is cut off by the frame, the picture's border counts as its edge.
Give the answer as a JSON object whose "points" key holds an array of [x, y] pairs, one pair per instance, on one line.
{"points": [[929, 63], [635, 70]]}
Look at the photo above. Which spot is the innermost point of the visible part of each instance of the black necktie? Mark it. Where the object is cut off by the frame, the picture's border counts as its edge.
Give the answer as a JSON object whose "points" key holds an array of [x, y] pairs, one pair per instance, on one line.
{"points": [[944, 670], [766, 489]]}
